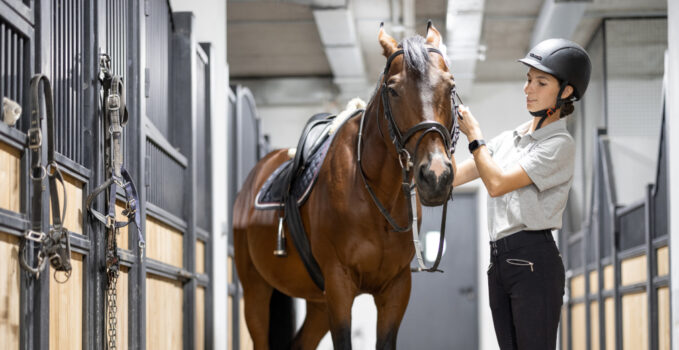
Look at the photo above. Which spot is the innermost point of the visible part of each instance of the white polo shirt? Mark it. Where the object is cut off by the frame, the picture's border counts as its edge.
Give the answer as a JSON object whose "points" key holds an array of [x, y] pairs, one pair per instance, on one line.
{"points": [[548, 157]]}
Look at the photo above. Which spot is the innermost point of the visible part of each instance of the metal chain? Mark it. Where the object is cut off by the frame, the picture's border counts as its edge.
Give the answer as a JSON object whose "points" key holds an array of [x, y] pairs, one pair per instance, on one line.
{"points": [[112, 295], [112, 271]]}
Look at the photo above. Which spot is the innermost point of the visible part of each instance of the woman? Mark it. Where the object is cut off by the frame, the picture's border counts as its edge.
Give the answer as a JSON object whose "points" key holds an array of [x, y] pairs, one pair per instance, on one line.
{"points": [[528, 173]]}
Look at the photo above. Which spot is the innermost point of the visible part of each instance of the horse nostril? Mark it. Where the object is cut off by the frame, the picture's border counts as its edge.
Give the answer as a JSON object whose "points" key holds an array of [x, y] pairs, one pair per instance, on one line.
{"points": [[423, 175]]}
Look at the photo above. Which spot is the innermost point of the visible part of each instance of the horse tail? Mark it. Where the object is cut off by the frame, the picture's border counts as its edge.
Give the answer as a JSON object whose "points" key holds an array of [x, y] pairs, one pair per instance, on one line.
{"points": [[281, 321]]}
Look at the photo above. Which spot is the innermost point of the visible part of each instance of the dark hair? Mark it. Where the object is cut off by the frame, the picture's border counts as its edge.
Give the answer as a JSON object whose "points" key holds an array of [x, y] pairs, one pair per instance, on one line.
{"points": [[567, 108]]}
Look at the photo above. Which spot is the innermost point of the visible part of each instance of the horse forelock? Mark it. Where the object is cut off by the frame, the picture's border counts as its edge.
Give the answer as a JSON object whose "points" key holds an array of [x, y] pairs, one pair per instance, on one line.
{"points": [[415, 55]]}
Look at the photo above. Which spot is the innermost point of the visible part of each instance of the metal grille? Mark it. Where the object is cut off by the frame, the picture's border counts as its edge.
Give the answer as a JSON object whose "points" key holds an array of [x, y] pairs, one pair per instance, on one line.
{"points": [[13, 53], [157, 63], [660, 198], [116, 47], [166, 180], [203, 205], [632, 228], [116, 35], [67, 76]]}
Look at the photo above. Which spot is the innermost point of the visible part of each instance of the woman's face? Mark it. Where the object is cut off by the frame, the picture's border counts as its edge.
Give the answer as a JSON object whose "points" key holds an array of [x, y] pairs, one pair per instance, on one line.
{"points": [[540, 89]]}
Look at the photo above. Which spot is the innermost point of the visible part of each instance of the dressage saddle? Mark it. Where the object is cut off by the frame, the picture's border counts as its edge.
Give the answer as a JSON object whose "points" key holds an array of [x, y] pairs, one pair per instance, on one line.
{"points": [[297, 176]]}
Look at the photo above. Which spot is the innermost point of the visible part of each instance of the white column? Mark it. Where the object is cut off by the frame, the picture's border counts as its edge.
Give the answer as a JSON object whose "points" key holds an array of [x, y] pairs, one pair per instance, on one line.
{"points": [[672, 117]]}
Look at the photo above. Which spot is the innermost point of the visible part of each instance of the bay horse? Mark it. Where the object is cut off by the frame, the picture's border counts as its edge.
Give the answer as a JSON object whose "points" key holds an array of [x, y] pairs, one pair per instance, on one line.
{"points": [[356, 248]]}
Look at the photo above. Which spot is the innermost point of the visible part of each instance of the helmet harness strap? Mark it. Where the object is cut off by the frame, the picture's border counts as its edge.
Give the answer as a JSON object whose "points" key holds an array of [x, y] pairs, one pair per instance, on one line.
{"points": [[545, 113]]}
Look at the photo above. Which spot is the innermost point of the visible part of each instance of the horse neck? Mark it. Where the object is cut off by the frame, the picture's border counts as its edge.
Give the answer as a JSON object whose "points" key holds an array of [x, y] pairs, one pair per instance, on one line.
{"points": [[379, 159]]}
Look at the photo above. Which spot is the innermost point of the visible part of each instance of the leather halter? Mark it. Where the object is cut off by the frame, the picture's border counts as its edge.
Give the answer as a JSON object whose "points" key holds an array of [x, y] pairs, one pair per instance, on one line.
{"points": [[55, 245], [449, 136], [116, 117]]}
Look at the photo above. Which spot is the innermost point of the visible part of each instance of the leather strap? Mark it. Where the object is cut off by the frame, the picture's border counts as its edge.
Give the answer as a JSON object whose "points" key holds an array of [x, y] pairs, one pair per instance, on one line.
{"points": [[54, 246]]}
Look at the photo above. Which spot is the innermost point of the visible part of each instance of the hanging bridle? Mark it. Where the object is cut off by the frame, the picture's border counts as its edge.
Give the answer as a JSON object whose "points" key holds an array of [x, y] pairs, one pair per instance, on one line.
{"points": [[54, 246], [449, 136], [112, 98]]}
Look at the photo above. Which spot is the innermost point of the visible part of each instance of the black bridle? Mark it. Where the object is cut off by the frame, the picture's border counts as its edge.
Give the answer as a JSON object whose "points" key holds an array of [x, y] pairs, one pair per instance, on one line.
{"points": [[449, 136]]}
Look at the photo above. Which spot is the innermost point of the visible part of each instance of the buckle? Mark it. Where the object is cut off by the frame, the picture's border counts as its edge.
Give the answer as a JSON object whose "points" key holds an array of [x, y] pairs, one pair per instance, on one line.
{"points": [[113, 102], [34, 138], [34, 236], [110, 222]]}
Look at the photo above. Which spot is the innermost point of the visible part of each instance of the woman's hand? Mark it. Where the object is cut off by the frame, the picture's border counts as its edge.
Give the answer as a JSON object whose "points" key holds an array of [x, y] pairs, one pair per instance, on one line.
{"points": [[468, 124]]}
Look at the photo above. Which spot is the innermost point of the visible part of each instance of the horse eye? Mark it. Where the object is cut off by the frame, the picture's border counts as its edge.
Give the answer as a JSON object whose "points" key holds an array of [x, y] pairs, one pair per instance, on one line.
{"points": [[392, 92]]}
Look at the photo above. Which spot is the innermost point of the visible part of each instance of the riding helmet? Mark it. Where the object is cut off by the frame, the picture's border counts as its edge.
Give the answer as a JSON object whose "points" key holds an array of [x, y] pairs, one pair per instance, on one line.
{"points": [[565, 60]]}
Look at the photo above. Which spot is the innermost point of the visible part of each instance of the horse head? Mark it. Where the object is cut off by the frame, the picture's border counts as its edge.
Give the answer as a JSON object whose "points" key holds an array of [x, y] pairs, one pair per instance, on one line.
{"points": [[417, 92]]}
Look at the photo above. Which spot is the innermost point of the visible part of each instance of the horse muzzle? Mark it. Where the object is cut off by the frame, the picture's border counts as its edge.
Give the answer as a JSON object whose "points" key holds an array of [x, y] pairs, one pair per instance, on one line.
{"points": [[434, 180]]}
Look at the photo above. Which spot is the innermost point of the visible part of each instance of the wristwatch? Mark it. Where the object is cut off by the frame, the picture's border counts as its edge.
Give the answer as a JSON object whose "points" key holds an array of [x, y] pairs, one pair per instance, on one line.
{"points": [[476, 144]]}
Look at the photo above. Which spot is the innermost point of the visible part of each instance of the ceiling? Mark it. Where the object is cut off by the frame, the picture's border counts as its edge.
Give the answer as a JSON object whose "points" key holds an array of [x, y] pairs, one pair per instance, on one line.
{"points": [[279, 40]]}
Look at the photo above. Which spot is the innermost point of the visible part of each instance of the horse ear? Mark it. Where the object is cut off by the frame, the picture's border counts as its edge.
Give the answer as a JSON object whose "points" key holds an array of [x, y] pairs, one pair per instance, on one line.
{"points": [[433, 35], [389, 45]]}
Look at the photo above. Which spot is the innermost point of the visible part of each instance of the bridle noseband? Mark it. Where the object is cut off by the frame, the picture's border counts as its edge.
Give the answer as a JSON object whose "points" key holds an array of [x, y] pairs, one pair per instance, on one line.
{"points": [[449, 136]]}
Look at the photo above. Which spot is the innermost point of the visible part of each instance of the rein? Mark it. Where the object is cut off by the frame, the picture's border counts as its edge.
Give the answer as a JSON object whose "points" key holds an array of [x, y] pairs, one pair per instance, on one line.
{"points": [[55, 245], [449, 136]]}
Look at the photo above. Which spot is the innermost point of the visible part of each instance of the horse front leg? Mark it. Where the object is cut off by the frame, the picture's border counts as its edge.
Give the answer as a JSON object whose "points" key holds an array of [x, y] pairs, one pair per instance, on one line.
{"points": [[340, 292], [391, 303]]}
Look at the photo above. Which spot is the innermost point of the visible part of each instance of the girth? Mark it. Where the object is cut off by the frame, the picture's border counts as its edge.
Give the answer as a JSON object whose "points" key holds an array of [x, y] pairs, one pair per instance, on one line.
{"points": [[55, 245]]}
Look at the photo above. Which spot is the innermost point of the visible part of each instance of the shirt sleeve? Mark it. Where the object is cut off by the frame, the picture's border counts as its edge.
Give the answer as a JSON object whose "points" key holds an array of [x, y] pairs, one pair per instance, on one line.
{"points": [[494, 143], [551, 162]]}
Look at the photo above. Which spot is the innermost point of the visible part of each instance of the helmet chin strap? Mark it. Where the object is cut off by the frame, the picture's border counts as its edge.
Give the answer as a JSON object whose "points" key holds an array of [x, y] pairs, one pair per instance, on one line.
{"points": [[546, 113]]}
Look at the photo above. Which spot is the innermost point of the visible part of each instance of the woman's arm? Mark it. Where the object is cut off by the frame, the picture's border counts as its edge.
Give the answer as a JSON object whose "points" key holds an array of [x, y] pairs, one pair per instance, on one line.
{"points": [[465, 172], [497, 181]]}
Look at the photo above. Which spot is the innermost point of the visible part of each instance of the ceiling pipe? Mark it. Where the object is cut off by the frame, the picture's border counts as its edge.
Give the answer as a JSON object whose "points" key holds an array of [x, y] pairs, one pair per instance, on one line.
{"points": [[557, 20]]}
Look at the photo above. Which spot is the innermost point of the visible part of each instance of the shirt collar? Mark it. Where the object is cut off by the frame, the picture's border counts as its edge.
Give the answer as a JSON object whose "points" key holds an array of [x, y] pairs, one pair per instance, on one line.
{"points": [[554, 128]]}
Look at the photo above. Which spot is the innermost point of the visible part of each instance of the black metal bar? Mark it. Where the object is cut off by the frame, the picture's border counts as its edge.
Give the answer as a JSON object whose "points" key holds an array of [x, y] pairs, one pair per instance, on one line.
{"points": [[183, 118], [167, 217], [136, 141], [650, 271]]}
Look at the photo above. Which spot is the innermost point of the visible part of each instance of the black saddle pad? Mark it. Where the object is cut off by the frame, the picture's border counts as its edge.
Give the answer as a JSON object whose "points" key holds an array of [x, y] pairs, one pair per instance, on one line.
{"points": [[311, 153], [271, 194]]}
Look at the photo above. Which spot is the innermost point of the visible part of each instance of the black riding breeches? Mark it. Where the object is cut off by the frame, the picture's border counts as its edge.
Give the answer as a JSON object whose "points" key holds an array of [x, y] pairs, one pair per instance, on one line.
{"points": [[526, 287]]}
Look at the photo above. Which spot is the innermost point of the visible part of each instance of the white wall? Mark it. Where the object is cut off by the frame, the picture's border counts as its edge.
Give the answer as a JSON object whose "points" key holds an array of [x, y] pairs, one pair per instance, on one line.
{"points": [[210, 26], [672, 69]]}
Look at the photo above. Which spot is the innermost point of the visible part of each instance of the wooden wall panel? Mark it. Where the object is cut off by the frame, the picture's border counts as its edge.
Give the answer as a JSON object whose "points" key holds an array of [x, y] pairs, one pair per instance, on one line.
{"points": [[164, 316], [664, 318], [200, 256], [663, 261], [122, 317], [634, 321], [245, 339], [579, 337], [123, 232], [200, 318], [10, 178], [66, 308], [578, 286], [229, 317], [593, 282], [9, 291], [633, 270], [564, 327], [609, 277], [163, 242], [594, 323], [73, 220], [609, 310]]}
